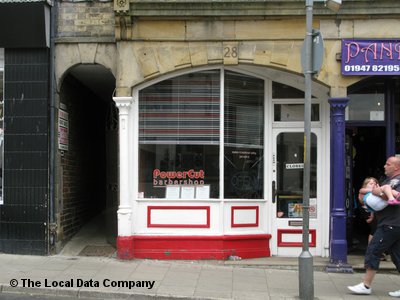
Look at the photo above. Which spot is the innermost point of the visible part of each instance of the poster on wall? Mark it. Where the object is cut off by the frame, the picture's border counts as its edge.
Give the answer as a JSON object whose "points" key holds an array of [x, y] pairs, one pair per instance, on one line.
{"points": [[63, 128], [370, 57]]}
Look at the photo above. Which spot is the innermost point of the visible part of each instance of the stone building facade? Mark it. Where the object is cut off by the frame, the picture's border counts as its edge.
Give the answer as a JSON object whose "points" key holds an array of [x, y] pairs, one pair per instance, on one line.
{"points": [[142, 43], [113, 59]]}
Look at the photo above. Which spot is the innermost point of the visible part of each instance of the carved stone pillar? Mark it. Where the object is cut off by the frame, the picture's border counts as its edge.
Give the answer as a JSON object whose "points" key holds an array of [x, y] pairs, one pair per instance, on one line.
{"points": [[338, 241]]}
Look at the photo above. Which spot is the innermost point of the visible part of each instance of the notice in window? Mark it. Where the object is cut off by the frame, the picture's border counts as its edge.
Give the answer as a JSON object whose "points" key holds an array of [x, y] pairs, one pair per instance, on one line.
{"points": [[173, 192], [377, 115], [187, 192], [295, 210], [203, 192]]}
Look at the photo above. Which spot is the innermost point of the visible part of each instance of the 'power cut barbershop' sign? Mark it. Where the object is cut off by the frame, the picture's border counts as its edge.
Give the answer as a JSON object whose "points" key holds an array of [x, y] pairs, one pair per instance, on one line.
{"points": [[188, 177], [370, 57]]}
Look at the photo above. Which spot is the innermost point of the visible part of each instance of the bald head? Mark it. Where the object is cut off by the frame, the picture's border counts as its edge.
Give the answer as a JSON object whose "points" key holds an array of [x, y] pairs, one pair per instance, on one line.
{"points": [[392, 166]]}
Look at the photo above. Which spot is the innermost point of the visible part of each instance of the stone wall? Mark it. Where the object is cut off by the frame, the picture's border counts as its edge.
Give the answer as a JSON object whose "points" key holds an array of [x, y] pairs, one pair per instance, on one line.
{"points": [[88, 20]]}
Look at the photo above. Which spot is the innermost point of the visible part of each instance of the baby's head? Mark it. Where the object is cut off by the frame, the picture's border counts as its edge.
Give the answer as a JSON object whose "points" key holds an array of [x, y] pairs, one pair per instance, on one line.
{"points": [[370, 182]]}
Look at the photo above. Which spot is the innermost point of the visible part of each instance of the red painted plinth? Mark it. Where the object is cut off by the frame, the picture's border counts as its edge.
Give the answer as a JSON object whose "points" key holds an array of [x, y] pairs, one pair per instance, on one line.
{"points": [[193, 247], [125, 247]]}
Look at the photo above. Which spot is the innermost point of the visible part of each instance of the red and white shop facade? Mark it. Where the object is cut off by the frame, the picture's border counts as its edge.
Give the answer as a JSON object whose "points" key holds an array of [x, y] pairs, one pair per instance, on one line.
{"points": [[211, 162]]}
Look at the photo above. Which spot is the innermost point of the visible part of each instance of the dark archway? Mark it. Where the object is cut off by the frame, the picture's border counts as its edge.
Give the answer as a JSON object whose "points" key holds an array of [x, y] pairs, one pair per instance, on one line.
{"points": [[88, 170]]}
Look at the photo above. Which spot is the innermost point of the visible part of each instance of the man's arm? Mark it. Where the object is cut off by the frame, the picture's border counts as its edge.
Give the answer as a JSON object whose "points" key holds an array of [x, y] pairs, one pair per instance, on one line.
{"points": [[378, 192]]}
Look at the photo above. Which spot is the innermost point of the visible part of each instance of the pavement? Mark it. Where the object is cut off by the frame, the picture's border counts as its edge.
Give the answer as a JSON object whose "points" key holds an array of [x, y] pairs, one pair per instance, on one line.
{"points": [[70, 274]]}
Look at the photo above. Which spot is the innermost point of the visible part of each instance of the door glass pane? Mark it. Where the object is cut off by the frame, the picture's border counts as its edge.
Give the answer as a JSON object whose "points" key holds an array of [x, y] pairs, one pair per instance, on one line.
{"points": [[244, 136], [290, 167]]}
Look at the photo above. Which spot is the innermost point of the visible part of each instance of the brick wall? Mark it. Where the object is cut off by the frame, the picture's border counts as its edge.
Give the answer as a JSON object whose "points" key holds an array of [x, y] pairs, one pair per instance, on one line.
{"points": [[85, 19], [83, 165]]}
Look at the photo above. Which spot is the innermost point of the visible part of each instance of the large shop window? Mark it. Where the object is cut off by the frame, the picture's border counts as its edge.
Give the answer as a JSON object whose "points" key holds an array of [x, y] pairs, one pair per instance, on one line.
{"points": [[244, 124], [180, 137], [1, 122]]}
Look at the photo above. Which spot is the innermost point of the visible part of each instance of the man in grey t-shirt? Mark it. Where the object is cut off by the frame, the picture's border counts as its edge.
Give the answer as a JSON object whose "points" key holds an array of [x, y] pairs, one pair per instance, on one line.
{"points": [[387, 234]]}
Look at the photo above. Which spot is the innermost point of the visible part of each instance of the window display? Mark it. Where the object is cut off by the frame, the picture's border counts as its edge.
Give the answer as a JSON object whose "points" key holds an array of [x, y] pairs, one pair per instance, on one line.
{"points": [[177, 165], [244, 136], [179, 124], [180, 137]]}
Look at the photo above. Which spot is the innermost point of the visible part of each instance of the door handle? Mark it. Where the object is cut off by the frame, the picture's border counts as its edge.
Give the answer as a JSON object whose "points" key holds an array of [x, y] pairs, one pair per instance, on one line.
{"points": [[273, 191]]}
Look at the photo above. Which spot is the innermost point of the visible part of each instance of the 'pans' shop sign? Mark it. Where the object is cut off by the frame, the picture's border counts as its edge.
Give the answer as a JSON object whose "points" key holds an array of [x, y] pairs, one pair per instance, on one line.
{"points": [[370, 57]]}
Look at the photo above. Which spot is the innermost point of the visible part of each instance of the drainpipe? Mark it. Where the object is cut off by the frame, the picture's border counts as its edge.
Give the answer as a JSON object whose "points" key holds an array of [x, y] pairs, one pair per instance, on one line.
{"points": [[52, 149]]}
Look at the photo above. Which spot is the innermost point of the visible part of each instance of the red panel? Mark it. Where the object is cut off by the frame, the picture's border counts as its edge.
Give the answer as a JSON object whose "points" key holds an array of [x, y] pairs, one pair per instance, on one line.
{"points": [[233, 208], [150, 224], [281, 243], [194, 247]]}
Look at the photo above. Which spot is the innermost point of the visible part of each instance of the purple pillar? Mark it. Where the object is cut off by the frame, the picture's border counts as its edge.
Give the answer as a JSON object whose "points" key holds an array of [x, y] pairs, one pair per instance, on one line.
{"points": [[338, 241]]}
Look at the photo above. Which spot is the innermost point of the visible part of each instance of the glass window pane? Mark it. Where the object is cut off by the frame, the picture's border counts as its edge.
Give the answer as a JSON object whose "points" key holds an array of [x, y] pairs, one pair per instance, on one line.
{"points": [[243, 173], [179, 136], [294, 112], [283, 91], [290, 169], [366, 107], [244, 136], [183, 109], [244, 110], [177, 165], [367, 101]]}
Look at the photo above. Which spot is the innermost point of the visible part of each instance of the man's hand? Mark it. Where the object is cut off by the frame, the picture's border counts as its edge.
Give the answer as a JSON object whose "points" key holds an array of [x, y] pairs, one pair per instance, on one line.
{"points": [[370, 218]]}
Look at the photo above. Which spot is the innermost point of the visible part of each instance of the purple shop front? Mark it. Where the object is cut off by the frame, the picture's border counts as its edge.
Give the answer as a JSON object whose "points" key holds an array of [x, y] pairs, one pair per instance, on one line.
{"points": [[370, 57]]}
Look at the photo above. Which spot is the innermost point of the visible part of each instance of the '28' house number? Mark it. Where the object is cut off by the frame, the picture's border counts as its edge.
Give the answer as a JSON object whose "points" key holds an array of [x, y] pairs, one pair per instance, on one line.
{"points": [[231, 53]]}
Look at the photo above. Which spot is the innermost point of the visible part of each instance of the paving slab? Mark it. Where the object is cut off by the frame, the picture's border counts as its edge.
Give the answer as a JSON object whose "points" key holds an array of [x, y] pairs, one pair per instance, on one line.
{"points": [[267, 278]]}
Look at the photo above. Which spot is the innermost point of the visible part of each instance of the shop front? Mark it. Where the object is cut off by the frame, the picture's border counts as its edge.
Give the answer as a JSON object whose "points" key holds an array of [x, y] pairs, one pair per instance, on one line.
{"points": [[216, 165], [210, 99], [372, 121], [211, 135]]}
